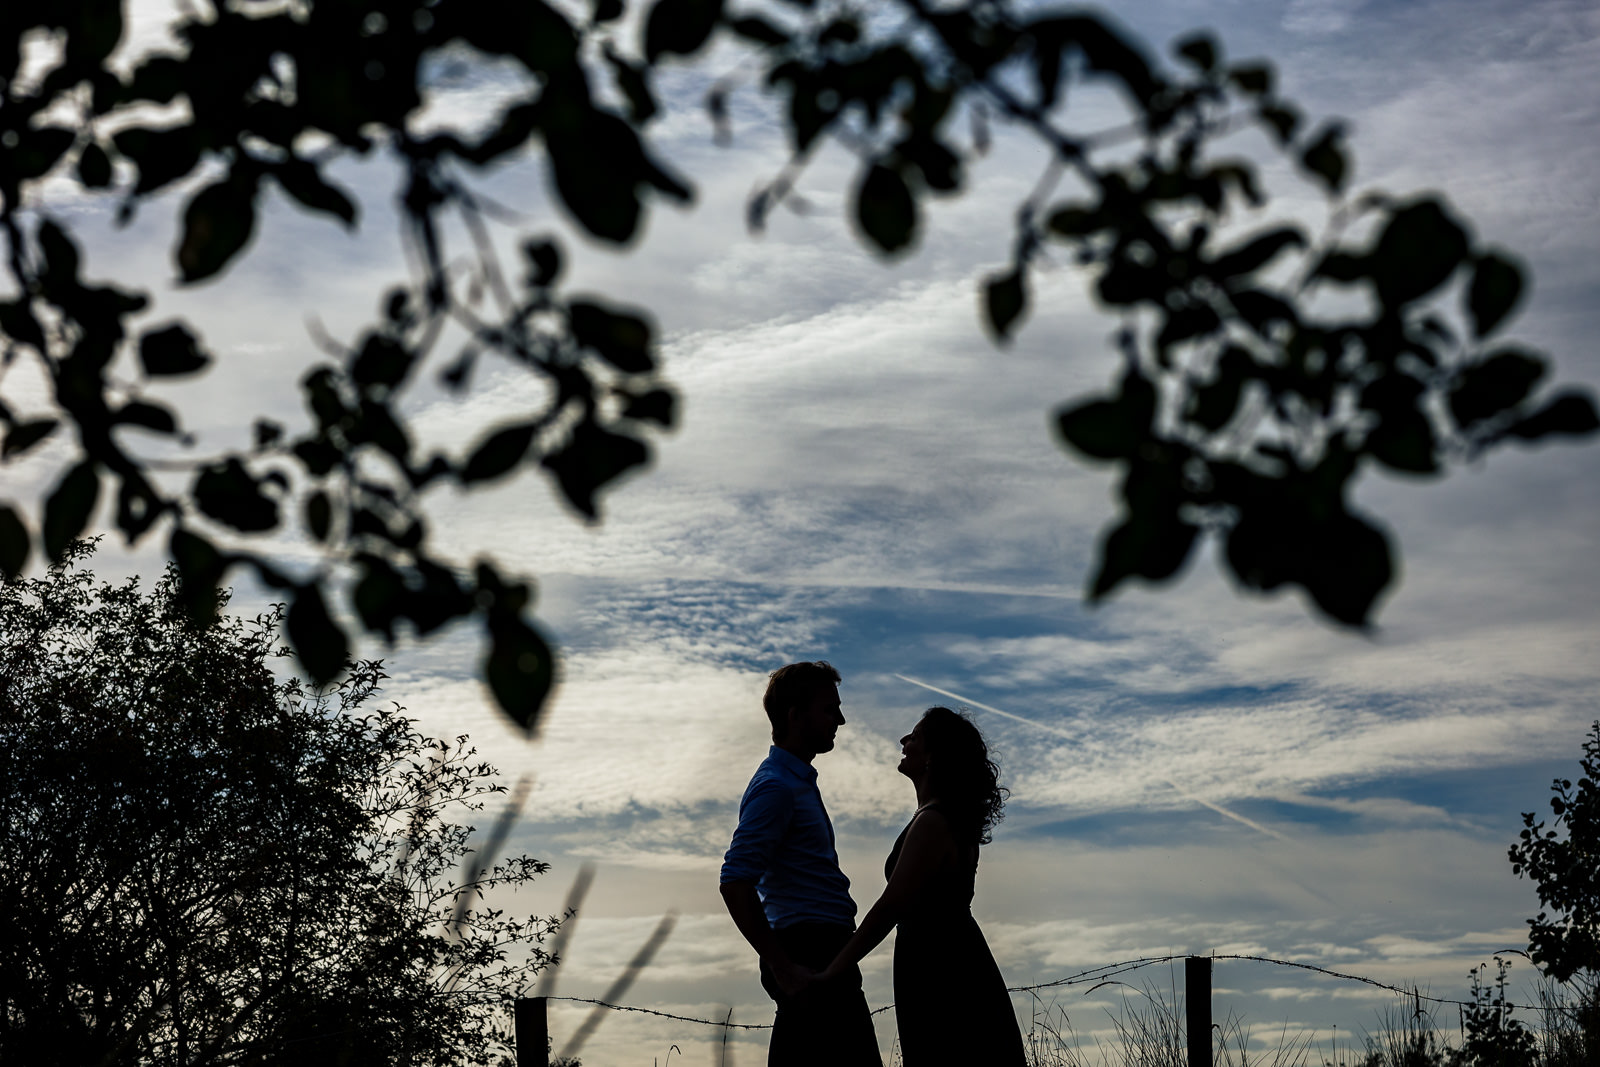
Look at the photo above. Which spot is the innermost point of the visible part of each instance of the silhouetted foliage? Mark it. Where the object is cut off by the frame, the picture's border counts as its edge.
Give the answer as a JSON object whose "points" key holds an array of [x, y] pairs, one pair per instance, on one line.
{"points": [[1245, 404], [200, 863], [1492, 1036], [1564, 941]]}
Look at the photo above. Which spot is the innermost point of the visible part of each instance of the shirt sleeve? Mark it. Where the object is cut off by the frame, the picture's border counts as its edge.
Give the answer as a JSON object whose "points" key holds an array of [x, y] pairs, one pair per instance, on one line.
{"points": [[764, 816]]}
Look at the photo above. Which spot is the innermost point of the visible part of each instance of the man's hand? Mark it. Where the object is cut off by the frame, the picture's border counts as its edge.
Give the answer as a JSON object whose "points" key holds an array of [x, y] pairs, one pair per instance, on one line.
{"points": [[791, 977]]}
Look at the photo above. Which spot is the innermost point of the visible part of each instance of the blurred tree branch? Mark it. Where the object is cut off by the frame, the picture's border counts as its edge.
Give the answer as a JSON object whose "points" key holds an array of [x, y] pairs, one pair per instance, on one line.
{"points": [[1243, 407]]}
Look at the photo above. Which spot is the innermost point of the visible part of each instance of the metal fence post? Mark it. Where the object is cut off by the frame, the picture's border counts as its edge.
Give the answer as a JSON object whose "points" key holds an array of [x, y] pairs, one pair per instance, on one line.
{"points": [[1197, 1004], [532, 1033]]}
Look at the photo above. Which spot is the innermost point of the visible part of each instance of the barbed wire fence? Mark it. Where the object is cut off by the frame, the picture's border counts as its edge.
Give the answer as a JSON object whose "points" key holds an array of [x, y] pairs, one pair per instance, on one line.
{"points": [[1095, 978]]}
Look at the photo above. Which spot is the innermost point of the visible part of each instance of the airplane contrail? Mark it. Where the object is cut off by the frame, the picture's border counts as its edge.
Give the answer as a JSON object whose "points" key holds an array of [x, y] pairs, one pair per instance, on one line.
{"points": [[1184, 793]]}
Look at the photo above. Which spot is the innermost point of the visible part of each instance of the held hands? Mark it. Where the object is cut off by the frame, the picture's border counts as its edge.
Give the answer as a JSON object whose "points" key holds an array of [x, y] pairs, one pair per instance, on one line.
{"points": [[791, 977], [795, 979]]}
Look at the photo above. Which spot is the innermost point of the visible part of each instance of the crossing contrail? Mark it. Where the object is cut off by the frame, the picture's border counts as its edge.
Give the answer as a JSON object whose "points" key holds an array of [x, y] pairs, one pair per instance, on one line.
{"points": [[1184, 793]]}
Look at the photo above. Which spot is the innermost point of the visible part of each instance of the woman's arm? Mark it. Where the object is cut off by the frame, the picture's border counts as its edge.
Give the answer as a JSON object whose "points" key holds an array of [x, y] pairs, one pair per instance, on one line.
{"points": [[929, 845]]}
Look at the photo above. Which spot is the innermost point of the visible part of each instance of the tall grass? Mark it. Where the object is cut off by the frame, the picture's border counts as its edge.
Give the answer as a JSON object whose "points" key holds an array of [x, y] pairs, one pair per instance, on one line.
{"points": [[1149, 1030]]}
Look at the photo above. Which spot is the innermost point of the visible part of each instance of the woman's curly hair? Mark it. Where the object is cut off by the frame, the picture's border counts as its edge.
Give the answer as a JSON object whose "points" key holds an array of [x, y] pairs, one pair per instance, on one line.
{"points": [[964, 778]]}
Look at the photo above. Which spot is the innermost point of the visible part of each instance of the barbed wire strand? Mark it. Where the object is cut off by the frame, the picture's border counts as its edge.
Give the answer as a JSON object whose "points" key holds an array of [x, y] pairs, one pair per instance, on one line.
{"points": [[668, 1015], [1098, 975]]}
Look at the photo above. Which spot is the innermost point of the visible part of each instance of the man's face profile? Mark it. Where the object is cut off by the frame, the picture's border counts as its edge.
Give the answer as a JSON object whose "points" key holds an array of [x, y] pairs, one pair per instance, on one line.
{"points": [[813, 724]]}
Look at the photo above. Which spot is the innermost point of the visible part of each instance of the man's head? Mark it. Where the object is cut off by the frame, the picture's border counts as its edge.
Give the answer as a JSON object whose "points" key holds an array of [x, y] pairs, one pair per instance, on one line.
{"points": [[802, 702]]}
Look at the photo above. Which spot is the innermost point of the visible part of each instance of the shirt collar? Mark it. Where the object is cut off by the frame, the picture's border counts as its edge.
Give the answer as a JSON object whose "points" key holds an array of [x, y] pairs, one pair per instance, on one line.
{"points": [[792, 763]]}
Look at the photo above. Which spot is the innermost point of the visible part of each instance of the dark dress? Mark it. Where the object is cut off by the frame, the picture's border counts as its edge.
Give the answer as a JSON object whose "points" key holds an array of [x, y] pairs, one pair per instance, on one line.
{"points": [[950, 1002]]}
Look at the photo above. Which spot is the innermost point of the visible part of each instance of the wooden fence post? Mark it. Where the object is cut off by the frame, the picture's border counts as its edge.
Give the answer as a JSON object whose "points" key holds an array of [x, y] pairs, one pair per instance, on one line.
{"points": [[532, 1033], [1197, 1004]]}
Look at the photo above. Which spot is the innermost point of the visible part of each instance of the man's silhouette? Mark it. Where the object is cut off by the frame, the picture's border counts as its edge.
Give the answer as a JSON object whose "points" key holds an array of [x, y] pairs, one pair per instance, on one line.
{"points": [[782, 884]]}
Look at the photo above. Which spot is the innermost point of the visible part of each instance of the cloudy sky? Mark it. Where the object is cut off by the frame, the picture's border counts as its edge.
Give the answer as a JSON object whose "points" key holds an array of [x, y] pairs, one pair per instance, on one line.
{"points": [[860, 476]]}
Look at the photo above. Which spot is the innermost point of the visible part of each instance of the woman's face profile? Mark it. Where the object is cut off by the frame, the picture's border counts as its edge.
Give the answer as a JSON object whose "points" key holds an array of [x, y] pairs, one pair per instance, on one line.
{"points": [[913, 754]]}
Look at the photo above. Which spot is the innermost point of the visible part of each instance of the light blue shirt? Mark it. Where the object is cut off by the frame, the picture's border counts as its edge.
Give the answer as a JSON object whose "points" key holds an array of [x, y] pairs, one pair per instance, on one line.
{"points": [[784, 844]]}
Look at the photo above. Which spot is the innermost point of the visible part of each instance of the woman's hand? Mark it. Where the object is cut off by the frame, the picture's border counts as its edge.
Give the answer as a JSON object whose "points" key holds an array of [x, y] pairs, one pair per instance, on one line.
{"points": [[792, 978]]}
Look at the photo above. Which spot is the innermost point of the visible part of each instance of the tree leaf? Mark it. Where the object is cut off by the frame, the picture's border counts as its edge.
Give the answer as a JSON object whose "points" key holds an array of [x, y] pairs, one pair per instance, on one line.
{"points": [[679, 27], [1419, 249], [656, 405], [1302, 535], [1072, 221], [1253, 78], [24, 435], [37, 151], [592, 458], [1185, 323], [14, 542], [319, 643], [1128, 282], [1499, 382], [1497, 285], [940, 167], [377, 425], [544, 261], [440, 599], [18, 323], [379, 596], [599, 165], [1344, 267], [171, 350], [382, 361], [69, 508], [520, 668], [200, 571], [1110, 429], [759, 30], [1571, 413], [1354, 567], [1108, 52], [158, 79], [1005, 297], [498, 454], [94, 167], [1212, 406], [304, 181], [163, 156], [228, 493], [1282, 119], [1325, 157], [1404, 441], [151, 417], [1256, 252], [319, 515], [265, 433], [138, 506], [886, 212], [621, 339], [1199, 49], [217, 224], [60, 253], [1263, 309], [1150, 546]]}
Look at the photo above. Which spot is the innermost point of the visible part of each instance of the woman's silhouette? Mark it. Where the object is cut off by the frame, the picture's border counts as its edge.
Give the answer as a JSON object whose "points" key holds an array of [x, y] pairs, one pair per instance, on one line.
{"points": [[950, 1001]]}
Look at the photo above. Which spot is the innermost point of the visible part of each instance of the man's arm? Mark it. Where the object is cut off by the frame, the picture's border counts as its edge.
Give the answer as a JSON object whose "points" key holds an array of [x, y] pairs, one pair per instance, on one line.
{"points": [[751, 919]]}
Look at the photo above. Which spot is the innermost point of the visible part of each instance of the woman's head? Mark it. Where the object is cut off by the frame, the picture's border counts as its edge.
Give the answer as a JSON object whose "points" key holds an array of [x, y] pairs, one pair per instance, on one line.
{"points": [[952, 753]]}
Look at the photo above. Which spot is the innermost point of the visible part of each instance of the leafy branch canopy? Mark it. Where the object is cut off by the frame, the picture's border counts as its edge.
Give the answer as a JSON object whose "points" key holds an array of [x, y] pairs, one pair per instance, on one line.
{"points": [[1260, 366]]}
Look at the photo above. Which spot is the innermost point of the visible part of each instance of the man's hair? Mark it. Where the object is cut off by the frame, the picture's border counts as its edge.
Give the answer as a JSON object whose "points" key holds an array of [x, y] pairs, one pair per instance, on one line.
{"points": [[795, 685]]}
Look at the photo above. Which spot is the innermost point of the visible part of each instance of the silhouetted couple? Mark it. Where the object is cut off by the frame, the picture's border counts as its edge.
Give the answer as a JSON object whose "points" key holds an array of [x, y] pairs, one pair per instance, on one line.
{"points": [[783, 887]]}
